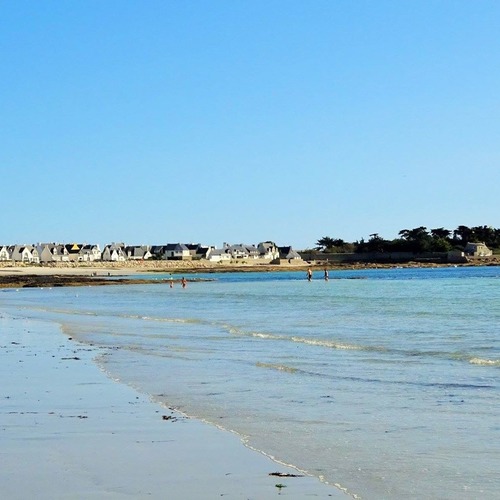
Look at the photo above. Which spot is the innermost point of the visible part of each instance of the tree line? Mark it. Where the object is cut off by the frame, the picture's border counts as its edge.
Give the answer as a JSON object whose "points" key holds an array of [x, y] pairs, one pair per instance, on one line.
{"points": [[416, 240]]}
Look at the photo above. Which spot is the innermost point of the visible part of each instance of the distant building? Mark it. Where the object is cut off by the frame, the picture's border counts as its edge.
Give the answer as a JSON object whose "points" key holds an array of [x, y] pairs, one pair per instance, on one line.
{"points": [[89, 253], [288, 253], [219, 255], [21, 253], [138, 252], [268, 250], [5, 255], [177, 251], [477, 250], [241, 251], [198, 251], [115, 252], [171, 251]]}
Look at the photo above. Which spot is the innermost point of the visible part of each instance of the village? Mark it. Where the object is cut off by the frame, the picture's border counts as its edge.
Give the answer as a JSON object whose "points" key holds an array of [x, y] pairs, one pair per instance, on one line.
{"points": [[50, 253]]}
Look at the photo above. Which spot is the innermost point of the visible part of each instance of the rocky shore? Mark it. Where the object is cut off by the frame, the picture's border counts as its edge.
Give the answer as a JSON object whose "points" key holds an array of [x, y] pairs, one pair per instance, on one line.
{"points": [[57, 280]]}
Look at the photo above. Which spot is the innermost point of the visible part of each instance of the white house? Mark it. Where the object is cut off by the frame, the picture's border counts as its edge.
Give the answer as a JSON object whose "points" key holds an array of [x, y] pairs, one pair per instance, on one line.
{"points": [[21, 253], [4, 253], [268, 250], [219, 255], [62, 254], [35, 256], [114, 253], [241, 251], [89, 253], [198, 251]]}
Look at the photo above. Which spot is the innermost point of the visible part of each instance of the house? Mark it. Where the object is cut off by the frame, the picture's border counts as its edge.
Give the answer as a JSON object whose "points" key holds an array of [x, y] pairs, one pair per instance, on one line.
{"points": [[52, 252], [158, 252], [198, 251], [89, 253], [171, 251], [138, 252], [241, 251], [268, 250], [62, 253], [219, 255], [35, 256], [477, 250], [21, 253], [177, 251], [289, 254], [115, 252], [47, 252], [73, 251], [5, 254]]}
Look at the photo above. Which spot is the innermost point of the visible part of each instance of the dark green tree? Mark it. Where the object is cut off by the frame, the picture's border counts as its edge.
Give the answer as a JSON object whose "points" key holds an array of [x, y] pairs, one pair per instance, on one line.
{"points": [[461, 235], [441, 232], [325, 243]]}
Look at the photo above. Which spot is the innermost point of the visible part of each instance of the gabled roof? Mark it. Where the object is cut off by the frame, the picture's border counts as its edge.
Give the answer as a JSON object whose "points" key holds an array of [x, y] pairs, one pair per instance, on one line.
{"points": [[136, 250], [288, 252], [177, 247], [73, 248]]}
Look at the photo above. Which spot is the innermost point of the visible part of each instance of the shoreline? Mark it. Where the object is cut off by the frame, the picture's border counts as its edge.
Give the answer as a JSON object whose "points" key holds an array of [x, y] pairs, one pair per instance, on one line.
{"points": [[114, 269], [122, 273], [69, 431]]}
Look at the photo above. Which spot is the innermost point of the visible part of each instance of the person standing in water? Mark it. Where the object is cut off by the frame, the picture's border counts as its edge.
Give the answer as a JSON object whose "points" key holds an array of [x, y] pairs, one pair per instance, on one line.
{"points": [[183, 282], [309, 274], [326, 274]]}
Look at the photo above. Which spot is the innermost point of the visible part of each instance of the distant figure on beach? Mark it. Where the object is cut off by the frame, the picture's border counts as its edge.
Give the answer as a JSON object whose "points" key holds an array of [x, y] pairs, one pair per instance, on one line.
{"points": [[184, 282], [309, 274], [171, 284], [326, 274]]}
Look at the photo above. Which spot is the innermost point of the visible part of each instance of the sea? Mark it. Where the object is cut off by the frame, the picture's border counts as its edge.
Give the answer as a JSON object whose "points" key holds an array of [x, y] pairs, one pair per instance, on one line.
{"points": [[384, 383]]}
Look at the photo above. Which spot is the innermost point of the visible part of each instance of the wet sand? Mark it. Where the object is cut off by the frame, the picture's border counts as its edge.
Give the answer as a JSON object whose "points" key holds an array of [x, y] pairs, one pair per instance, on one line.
{"points": [[68, 431]]}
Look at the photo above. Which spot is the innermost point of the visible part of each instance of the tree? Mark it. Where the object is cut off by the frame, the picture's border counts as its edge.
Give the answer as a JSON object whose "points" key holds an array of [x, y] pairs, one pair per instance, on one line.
{"points": [[404, 233], [417, 239], [376, 243], [485, 234], [441, 232], [441, 245], [325, 243], [462, 234]]}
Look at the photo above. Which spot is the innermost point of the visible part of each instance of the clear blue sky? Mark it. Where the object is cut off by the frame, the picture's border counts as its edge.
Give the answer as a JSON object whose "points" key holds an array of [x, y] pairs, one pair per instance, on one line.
{"points": [[243, 121]]}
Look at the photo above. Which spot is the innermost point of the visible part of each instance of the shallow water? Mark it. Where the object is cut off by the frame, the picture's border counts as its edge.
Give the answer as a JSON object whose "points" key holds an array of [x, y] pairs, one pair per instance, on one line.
{"points": [[384, 382]]}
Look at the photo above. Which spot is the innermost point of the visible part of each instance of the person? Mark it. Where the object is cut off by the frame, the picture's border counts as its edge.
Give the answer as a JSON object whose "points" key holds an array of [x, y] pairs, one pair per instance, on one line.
{"points": [[309, 274], [326, 274], [171, 283], [184, 282]]}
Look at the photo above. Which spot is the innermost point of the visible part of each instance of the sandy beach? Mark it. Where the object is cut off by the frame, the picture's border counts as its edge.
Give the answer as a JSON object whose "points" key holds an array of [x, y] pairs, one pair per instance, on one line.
{"points": [[68, 431]]}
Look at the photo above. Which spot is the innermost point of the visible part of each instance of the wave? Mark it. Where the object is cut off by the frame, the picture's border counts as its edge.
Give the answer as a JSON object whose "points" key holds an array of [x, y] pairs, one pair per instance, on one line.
{"points": [[302, 340], [339, 345], [484, 362], [160, 319], [281, 368], [368, 380], [334, 344]]}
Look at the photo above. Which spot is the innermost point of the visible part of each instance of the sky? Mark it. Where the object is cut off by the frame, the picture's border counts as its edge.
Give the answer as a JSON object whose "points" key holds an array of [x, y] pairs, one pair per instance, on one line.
{"points": [[212, 121]]}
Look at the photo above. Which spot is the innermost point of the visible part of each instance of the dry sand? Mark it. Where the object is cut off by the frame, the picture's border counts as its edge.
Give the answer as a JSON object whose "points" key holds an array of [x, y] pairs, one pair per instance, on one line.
{"points": [[69, 432]]}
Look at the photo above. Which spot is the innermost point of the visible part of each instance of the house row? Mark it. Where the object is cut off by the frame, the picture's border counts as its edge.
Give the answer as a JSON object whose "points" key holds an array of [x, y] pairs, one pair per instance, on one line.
{"points": [[42, 253], [49, 252], [267, 251]]}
